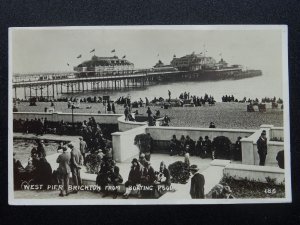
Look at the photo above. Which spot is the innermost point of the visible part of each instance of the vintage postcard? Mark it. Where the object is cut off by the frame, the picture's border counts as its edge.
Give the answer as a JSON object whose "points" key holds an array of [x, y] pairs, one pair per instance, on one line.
{"points": [[126, 115]]}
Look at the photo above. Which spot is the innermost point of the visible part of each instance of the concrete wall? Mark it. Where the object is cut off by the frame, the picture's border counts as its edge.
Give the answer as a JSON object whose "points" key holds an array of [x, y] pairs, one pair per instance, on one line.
{"points": [[249, 147], [277, 132], [67, 117], [273, 149], [123, 144], [128, 125], [254, 173], [166, 133]]}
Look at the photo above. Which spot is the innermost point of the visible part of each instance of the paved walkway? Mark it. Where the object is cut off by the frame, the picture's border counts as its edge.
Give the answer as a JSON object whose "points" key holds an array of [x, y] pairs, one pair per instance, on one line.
{"points": [[212, 174]]}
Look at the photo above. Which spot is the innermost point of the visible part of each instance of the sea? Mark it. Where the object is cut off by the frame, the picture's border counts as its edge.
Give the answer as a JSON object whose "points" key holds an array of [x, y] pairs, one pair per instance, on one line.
{"points": [[259, 87]]}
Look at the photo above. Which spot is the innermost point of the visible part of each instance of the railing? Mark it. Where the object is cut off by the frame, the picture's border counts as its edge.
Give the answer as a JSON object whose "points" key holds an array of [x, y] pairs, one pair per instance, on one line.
{"points": [[96, 76]]}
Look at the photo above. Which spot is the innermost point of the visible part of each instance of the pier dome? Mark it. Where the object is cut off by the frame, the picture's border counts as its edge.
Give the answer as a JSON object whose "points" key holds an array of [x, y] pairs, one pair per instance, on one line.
{"points": [[104, 64]]}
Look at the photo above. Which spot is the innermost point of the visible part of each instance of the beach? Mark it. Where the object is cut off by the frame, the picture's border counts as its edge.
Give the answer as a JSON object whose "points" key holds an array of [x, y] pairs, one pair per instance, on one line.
{"points": [[224, 115]]}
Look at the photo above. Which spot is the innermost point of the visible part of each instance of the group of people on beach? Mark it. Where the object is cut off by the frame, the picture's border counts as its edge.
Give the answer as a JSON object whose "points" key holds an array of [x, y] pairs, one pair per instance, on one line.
{"points": [[196, 100]]}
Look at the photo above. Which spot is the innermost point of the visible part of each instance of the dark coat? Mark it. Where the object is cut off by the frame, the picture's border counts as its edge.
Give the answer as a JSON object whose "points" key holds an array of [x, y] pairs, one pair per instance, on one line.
{"points": [[197, 186], [135, 175], [41, 151], [64, 163], [280, 159], [148, 176], [262, 146], [76, 158], [43, 172]]}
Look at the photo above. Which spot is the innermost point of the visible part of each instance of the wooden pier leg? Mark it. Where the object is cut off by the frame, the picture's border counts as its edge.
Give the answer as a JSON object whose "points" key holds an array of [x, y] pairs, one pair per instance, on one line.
{"points": [[47, 91], [16, 92], [41, 91], [56, 90], [83, 86], [72, 87], [53, 91]]}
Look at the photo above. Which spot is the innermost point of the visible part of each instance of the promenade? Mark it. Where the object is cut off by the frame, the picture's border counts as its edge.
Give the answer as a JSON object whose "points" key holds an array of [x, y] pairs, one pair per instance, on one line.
{"points": [[181, 190]]}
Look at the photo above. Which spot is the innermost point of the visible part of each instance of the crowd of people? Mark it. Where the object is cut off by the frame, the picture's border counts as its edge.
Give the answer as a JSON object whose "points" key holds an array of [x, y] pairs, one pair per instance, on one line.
{"points": [[41, 126], [37, 170], [196, 100], [186, 146], [145, 181], [228, 98], [142, 180], [202, 148]]}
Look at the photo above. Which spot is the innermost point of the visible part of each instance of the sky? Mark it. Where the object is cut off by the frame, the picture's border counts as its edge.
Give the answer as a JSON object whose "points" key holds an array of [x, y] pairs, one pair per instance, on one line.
{"points": [[49, 50]]}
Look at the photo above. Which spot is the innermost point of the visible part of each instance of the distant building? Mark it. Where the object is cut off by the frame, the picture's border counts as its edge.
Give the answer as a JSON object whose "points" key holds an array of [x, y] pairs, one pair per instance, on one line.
{"points": [[161, 67], [195, 62], [106, 64]]}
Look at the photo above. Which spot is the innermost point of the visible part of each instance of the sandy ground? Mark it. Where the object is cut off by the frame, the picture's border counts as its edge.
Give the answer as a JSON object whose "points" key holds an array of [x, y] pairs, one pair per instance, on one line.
{"points": [[224, 115]]}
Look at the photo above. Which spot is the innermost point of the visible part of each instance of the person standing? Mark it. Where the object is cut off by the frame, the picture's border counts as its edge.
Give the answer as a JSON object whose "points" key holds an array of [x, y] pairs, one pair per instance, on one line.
{"points": [[262, 147], [169, 93], [64, 171], [126, 112], [41, 152], [113, 108], [83, 148], [76, 161], [199, 147], [149, 112], [238, 149], [197, 183], [174, 146], [207, 151]]}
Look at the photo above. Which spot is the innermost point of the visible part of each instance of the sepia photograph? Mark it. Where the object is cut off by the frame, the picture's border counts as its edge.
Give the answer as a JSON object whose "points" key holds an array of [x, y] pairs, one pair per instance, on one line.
{"points": [[129, 115]]}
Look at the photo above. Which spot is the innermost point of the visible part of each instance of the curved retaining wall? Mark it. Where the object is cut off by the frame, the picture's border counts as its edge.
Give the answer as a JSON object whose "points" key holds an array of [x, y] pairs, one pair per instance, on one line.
{"points": [[128, 125]]}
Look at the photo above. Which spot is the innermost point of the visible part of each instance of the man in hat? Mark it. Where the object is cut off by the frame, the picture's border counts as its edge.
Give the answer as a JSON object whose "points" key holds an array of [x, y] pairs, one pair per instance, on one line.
{"points": [[83, 148], [238, 149], [64, 170], [197, 183], [262, 148], [76, 161]]}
